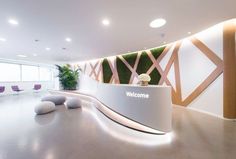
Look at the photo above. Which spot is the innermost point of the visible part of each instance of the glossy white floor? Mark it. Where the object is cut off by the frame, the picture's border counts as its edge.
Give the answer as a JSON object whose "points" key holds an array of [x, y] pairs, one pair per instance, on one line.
{"points": [[87, 134]]}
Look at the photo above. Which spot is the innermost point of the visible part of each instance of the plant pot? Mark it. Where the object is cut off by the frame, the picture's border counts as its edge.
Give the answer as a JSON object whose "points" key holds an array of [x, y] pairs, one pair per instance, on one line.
{"points": [[144, 83]]}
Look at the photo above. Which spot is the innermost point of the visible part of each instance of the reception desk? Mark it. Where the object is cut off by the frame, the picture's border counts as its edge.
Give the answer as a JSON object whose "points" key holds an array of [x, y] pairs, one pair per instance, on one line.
{"points": [[144, 108]]}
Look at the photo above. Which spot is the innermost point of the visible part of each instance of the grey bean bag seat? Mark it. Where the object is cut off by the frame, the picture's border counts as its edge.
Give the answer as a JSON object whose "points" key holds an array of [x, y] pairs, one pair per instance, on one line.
{"points": [[73, 103], [56, 99], [44, 107]]}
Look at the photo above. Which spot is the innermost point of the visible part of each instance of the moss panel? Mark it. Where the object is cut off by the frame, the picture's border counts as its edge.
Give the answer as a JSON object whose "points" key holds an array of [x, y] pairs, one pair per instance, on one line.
{"points": [[144, 63], [155, 77], [157, 51], [130, 58], [107, 73], [123, 72]]}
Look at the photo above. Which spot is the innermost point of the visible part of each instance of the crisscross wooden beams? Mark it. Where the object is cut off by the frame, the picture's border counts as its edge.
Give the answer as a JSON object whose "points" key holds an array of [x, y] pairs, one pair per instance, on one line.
{"points": [[85, 66], [93, 69], [174, 60], [115, 76], [176, 94], [229, 66], [211, 78]]}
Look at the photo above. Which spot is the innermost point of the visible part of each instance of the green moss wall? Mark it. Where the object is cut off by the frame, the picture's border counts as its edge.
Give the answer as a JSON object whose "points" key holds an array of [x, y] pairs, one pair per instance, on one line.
{"points": [[107, 73], [124, 73]]}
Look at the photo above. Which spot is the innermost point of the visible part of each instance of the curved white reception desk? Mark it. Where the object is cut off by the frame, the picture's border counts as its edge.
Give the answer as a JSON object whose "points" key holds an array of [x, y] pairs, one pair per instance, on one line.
{"points": [[147, 109]]}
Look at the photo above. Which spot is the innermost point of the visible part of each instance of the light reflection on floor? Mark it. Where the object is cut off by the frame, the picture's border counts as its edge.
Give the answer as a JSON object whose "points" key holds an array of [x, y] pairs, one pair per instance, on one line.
{"points": [[87, 134], [126, 134]]}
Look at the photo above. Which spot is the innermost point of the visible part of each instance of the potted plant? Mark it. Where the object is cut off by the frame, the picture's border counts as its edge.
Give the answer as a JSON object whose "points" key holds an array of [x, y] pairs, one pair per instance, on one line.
{"points": [[144, 79], [68, 77]]}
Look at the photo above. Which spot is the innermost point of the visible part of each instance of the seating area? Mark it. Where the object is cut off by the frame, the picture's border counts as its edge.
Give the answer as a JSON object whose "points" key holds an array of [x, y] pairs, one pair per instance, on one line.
{"points": [[37, 87], [2, 89], [15, 89]]}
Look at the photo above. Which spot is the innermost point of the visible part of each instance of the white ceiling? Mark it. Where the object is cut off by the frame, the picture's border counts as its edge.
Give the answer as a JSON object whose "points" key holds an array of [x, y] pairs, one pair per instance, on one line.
{"points": [[51, 21]]}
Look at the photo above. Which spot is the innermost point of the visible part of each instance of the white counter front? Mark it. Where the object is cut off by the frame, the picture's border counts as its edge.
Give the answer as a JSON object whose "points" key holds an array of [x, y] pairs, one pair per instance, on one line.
{"points": [[147, 106]]}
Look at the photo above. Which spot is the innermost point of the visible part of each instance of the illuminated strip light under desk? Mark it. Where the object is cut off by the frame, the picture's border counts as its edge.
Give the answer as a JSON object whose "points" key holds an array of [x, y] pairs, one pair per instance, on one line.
{"points": [[147, 109]]}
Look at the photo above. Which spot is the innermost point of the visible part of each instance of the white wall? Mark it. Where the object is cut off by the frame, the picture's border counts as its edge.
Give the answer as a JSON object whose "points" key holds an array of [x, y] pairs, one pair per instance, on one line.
{"points": [[195, 67]]}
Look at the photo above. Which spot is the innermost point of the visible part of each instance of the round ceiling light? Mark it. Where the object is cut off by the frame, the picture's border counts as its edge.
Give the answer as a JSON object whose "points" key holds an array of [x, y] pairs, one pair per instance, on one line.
{"points": [[21, 55], [3, 39], [157, 23], [106, 22], [68, 39], [13, 22]]}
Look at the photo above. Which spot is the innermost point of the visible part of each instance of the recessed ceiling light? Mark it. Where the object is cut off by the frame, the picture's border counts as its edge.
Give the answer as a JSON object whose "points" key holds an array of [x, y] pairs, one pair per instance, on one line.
{"points": [[13, 22], [21, 55], [189, 32], [35, 55], [48, 49], [68, 39], [106, 22], [3, 39], [157, 23]]}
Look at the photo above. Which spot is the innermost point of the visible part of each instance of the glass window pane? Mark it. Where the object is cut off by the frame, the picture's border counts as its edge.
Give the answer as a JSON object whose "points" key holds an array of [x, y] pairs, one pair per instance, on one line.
{"points": [[9, 72], [45, 74], [30, 73]]}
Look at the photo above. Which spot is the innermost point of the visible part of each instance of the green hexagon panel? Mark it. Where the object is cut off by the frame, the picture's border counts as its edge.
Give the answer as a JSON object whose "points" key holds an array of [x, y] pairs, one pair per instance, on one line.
{"points": [[156, 52], [144, 63], [107, 72], [130, 58], [123, 72], [155, 77]]}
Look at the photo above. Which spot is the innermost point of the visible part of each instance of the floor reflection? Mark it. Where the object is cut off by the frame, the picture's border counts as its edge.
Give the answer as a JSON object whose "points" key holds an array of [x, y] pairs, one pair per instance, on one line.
{"points": [[86, 133], [123, 133]]}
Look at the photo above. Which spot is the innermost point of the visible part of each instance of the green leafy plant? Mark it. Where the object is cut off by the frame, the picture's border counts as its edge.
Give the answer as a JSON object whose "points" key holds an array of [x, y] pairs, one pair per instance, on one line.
{"points": [[68, 77]]}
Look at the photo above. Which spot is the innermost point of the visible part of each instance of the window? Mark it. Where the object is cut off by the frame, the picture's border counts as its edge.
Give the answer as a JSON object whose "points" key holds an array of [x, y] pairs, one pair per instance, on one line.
{"points": [[45, 74], [30, 73], [17, 72], [9, 72]]}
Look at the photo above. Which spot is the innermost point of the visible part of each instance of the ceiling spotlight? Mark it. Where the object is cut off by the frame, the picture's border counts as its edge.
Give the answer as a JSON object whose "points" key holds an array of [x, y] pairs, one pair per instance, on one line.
{"points": [[68, 39], [3, 39], [106, 22], [157, 23], [189, 32], [48, 49], [36, 40], [13, 22], [63, 48], [35, 55], [21, 55]]}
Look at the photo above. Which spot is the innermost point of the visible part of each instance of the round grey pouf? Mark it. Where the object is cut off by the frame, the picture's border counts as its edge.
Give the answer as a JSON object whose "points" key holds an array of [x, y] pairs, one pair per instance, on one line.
{"points": [[56, 99], [73, 103], [44, 107]]}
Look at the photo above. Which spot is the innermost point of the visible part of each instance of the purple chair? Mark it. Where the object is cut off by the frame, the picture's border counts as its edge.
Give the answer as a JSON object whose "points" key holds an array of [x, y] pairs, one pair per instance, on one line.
{"points": [[37, 87], [2, 89], [16, 89]]}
